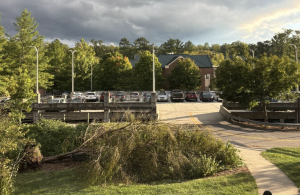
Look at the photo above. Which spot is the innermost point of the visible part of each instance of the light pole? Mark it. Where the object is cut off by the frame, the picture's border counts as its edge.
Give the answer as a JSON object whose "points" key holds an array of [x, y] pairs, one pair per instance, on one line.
{"points": [[37, 74], [252, 52], [72, 71], [297, 86], [153, 71], [91, 77]]}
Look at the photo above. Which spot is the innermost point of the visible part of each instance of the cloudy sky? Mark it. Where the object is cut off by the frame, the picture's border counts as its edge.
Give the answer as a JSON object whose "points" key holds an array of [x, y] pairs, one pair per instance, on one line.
{"points": [[200, 21]]}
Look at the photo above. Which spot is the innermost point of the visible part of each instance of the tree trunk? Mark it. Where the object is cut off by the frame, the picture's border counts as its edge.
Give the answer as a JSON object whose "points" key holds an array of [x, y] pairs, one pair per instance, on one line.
{"points": [[265, 113]]}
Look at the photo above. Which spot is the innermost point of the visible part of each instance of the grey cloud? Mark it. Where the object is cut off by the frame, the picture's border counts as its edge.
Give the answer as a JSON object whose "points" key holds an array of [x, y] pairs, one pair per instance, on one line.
{"points": [[157, 20]]}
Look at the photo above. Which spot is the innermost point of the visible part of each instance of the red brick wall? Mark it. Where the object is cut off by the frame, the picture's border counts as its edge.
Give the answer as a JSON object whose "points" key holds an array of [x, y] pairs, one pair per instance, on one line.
{"points": [[204, 71]]}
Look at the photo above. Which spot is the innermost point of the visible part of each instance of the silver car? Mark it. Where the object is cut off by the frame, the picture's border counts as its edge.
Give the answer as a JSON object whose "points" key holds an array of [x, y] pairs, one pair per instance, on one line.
{"points": [[162, 96], [134, 96]]}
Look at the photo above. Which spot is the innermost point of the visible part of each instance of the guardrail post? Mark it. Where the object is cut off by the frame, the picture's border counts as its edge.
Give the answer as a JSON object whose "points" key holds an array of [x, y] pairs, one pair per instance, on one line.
{"points": [[153, 105], [35, 113], [298, 110], [106, 108], [88, 118]]}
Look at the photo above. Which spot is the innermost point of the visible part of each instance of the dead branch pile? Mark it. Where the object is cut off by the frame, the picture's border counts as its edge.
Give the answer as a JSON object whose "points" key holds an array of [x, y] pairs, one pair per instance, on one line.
{"points": [[144, 152]]}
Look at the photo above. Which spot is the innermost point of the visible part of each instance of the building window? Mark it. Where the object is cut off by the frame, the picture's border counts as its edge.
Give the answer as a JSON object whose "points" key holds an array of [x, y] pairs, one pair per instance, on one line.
{"points": [[207, 76]]}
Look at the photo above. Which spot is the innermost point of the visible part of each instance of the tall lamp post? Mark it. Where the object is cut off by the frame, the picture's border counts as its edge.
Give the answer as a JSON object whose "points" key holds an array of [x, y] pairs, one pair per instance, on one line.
{"points": [[153, 71], [297, 86], [72, 71], [37, 74], [252, 52], [91, 77]]}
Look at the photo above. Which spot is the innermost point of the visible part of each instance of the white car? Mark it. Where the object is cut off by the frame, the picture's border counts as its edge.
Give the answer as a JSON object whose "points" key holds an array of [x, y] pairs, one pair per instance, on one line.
{"points": [[57, 100], [162, 97], [91, 97], [216, 96], [77, 95]]}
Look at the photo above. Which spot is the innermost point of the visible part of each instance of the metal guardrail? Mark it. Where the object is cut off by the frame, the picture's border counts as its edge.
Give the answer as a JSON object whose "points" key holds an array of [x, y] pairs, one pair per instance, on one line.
{"points": [[227, 114]]}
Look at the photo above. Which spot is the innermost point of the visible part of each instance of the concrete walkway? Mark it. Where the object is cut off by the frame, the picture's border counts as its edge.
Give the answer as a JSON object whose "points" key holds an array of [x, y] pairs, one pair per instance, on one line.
{"points": [[267, 175], [249, 141]]}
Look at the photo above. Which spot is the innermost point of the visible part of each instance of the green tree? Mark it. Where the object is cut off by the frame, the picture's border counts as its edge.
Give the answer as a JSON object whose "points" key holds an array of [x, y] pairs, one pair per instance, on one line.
{"points": [[114, 71], [20, 55], [84, 58], [144, 72], [3, 41], [217, 58], [256, 80], [60, 65], [22, 95], [126, 49], [141, 44], [185, 76], [189, 47], [172, 46]]}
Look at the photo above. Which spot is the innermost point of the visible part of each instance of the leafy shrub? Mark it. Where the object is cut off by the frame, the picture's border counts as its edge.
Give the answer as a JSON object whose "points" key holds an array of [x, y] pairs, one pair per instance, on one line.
{"points": [[12, 142], [55, 136], [145, 152]]}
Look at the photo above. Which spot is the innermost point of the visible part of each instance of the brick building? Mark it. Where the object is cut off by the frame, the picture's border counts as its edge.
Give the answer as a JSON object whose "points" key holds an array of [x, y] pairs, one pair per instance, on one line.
{"points": [[169, 61]]}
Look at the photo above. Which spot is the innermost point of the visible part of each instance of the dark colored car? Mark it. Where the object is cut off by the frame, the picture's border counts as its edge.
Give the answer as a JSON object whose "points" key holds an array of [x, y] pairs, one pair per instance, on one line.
{"points": [[206, 97], [177, 96], [191, 95], [120, 95], [102, 96], [147, 97]]}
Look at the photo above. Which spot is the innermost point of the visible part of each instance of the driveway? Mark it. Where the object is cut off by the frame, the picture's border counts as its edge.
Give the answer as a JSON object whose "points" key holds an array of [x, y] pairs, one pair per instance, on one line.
{"points": [[208, 115]]}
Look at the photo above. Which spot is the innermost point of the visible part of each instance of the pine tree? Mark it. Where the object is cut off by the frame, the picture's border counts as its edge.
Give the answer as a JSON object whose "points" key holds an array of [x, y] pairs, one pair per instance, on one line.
{"points": [[3, 41], [21, 55]]}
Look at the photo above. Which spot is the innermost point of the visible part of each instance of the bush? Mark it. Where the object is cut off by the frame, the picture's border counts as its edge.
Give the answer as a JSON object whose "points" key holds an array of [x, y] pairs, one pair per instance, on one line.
{"points": [[55, 136], [12, 142], [146, 152]]}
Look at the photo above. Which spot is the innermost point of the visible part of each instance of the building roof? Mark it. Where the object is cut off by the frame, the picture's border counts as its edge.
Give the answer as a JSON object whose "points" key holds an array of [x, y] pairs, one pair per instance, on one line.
{"points": [[202, 61], [135, 60]]}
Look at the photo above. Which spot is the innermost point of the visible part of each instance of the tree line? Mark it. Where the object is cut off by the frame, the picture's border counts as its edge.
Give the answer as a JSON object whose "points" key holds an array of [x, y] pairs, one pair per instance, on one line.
{"points": [[109, 66]]}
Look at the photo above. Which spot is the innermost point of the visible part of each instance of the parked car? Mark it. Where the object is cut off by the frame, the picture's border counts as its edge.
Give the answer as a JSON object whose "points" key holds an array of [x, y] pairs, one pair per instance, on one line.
{"points": [[91, 97], [66, 93], [147, 97], [102, 96], [57, 100], [162, 96], [120, 96], [216, 96], [206, 96], [134, 96], [77, 100], [177, 95], [191, 95], [78, 95]]}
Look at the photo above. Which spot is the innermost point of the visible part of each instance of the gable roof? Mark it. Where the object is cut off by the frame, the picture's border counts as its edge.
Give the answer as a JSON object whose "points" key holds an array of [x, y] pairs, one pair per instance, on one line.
{"points": [[135, 60], [202, 61]]}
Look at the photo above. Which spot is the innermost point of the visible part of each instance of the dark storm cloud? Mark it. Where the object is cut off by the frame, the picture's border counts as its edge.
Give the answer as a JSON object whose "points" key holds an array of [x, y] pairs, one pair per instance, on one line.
{"points": [[200, 21]]}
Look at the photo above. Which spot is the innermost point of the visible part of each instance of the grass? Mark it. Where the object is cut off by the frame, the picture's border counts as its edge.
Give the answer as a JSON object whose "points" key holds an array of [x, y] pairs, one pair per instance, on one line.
{"points": [[67, 182], [288, 160]]}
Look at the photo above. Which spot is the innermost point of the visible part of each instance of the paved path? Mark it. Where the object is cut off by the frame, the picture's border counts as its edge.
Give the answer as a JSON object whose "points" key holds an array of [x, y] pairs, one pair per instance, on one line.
{"points": [[251, 142]]}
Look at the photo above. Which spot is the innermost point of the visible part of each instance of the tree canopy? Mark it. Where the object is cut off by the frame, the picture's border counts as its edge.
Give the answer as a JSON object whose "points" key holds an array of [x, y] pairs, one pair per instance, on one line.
{"points": [[144, 72], [185, 76], [256, 80]]}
